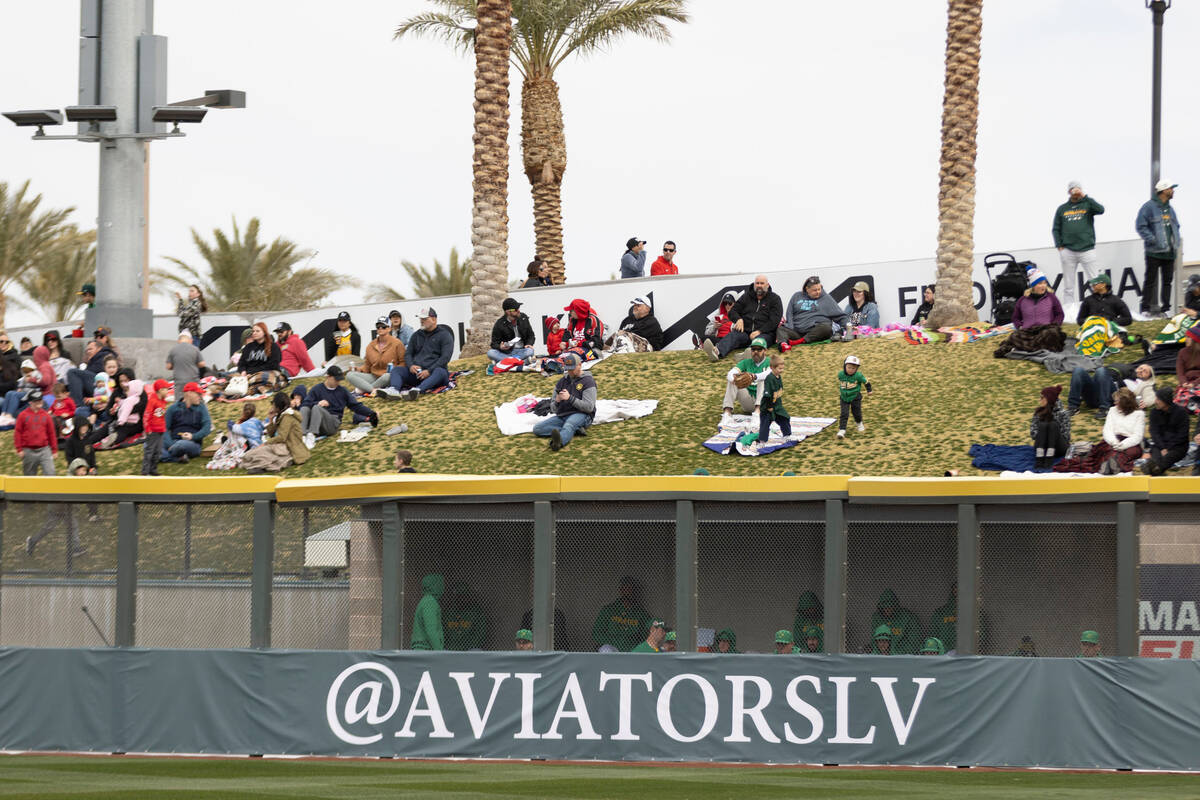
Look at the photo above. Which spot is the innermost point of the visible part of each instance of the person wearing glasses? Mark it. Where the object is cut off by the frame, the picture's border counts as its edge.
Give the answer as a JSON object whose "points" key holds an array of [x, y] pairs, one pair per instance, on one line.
{"points": [[539, 274], [665, 264], [9, 351]]}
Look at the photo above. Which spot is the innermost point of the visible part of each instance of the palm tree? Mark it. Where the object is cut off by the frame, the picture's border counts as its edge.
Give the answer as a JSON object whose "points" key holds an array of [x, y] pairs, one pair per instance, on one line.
{"points": [[546, 34], [52, 284], [246, 275], [453, 278], [27, 237], [955, 303]]}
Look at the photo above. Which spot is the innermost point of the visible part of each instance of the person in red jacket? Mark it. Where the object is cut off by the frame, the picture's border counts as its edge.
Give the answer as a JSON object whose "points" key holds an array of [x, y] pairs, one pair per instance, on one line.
{"points": [[155, 425], [293, 352], [665, 264], [35, 438], [554, 335], [584, 330]]}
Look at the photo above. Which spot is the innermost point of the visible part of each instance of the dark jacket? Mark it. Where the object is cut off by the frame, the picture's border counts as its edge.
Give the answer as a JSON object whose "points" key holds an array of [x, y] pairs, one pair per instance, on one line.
{"points": [[1169, 429], [430, 349], [95, 364], [504, 331], [1107, 305], [254, 357], [582, 399], [184, 419], [757, 315], [74, 447], [534, 281], [922, 313], [339, 400], [647, 327], [331, 343]]}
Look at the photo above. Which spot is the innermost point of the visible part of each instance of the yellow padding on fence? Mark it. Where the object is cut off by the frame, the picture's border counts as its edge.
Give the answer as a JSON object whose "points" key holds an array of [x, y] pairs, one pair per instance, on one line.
{"points": [[639, 484], [143, 485], [997, 487], [1175, 486], [412, 485]]}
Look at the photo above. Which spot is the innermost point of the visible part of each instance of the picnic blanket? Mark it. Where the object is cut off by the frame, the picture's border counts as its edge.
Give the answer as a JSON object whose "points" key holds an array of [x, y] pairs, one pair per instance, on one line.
{"points": [[1099, 336], [1174, 330], [725, 441], [1033, 339], [452, 382], [974, 331], [512, 421], [1001, 457]]}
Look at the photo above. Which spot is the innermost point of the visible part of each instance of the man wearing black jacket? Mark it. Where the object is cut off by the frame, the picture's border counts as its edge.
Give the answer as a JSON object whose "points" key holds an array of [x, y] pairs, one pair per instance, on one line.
{"points": [[641, 321], [1168, 432], [756, 314], [512, 335], [1103, 303], [428, 356], [81, 382]]}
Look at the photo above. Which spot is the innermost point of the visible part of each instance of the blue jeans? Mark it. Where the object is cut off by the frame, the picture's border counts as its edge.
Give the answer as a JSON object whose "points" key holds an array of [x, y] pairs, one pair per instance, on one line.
{"points": [[568, 426], [1096, 391], [80, 384], [12, 402], [403, 379], [517, 352], [174, 448]]}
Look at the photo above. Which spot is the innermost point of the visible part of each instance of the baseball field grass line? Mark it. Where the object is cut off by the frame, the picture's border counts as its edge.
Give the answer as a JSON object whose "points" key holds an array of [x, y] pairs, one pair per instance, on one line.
{"points": [[43, 777]]}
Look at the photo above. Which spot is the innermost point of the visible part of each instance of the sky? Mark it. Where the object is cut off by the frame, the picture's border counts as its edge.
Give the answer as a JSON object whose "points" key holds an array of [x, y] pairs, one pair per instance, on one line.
{"points": [[765, 135]]}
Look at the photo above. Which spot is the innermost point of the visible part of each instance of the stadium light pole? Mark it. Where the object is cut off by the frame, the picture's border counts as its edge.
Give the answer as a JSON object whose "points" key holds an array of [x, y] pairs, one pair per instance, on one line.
{"points": [[1158, 9]]}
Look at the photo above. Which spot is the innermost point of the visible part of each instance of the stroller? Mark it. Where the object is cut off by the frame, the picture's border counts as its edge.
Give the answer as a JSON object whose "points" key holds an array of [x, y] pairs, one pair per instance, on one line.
{"points": [[1008, 286]]}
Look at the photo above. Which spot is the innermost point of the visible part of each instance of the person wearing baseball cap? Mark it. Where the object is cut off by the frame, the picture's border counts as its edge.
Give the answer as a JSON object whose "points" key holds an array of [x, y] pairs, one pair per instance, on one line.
{"points": [[861, 309], [1158, 226], [1103, 303], [1089, 645], [400, 330], [1191, 296], [293, 352], [87, 293], [512, 334], [34, 436], [1074, 232], [641, 322], [633, 262], [670, 642], [322, 409], [572, 406], [343, 340], [785, 642], [654, 639], [933, 647], [155, 417], [428, 357], [187, 423], [524, 639], [382, 354], [744, 378]]}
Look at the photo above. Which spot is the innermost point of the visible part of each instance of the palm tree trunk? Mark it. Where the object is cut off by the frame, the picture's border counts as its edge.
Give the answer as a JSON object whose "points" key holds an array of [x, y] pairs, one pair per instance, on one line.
{"points": [[956, 189], [489, 218], [3, 308], [544, 147]]}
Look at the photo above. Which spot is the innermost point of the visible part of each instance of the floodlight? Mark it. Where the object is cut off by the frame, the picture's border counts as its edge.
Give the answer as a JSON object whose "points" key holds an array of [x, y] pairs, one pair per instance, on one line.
{"points": [[178, 114], [91, 113], [225, 98], [28, 119]]}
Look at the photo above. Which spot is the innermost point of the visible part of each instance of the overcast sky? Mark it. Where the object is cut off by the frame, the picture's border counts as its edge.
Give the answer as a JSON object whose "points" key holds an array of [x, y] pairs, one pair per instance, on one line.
{"points": [[766, 135]]}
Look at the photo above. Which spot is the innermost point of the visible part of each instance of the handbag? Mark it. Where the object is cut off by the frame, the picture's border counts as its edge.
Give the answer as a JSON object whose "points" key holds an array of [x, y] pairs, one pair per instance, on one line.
{"points": [[238, 386]]}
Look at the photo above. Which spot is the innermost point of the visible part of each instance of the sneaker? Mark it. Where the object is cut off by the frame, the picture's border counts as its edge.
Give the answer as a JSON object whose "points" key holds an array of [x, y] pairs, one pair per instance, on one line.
{"points": [[28, 545], [7, 421], [1072, 410], [726, 418], [1101, 414], [711, 349], [310, 440], [842, 433], [861, 427], [412, 394], [695, 342], [785, 346], [388, 393], [556, 440]]}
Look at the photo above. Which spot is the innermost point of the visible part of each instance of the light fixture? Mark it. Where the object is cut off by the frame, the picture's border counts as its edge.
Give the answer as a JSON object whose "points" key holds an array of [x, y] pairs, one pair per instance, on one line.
{"points": [[91, 113], [28, 119], [178, 114]]}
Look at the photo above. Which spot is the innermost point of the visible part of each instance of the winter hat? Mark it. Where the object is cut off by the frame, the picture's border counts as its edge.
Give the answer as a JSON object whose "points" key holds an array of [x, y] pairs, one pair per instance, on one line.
{"points": [[76, 464], [1074, 185], [1035, 276], [1051, 394], [1089, 637], [28, 364], [1101, 278], [1192, 334]]}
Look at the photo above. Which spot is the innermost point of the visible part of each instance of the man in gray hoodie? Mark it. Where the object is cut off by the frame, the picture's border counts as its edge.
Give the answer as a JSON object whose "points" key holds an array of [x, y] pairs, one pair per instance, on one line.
{"points": [[811, 315]]}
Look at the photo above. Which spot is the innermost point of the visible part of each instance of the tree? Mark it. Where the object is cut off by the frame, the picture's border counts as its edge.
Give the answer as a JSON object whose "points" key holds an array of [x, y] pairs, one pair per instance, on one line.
{"points": [[955, 303], [27, 237], [453, 278], [546, 34], [52, 284], [246, 275]]}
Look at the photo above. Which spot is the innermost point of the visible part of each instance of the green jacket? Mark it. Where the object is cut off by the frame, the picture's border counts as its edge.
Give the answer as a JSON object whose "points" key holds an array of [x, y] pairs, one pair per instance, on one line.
{"points": [[772, 388], [465, 625], [748, 365], [1074, 225], [850, 386], [621, 627], [644, 647], [809, 613], [427, 621], [943, 624], [906, 628], [726, 633]]}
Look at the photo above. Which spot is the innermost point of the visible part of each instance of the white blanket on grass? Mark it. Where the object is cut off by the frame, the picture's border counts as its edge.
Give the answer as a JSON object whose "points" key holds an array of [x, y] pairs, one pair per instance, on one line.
{"points": [[512, 422]]}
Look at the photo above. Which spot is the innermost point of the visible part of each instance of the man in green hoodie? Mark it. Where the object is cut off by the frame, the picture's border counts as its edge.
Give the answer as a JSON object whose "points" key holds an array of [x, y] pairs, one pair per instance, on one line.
{"points": [[905, 627], [1074, 232], [427, 621], [811, 640], [726, 641], [623, 623], [881, 642], [463, 620], [809, 613], [943, 625]]}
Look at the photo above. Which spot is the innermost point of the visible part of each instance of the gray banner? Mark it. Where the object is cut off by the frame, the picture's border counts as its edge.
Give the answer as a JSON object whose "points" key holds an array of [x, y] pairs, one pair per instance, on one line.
{"points": [[1110, 713]]}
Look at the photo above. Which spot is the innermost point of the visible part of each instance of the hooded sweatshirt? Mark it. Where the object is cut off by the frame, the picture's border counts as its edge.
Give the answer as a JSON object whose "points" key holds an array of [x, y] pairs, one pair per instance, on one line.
{"points": [[427, 620], [624, 627], [1075, 229], [430, 349], [463, 621], [905, 627], [943, 623], [663, 267], [293, 355], [726, 633], [803, 312], [809, 613], [585, 330], [44, 375]]}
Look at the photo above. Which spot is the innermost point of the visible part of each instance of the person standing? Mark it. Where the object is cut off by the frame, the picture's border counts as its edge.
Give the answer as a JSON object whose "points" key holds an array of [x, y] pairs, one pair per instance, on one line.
{"points": [[190, 310], [427, 619], [633, 263], [35, 438], [1158, 226], [155, 426], [665, 264], [1074, 233], [185, 360]]}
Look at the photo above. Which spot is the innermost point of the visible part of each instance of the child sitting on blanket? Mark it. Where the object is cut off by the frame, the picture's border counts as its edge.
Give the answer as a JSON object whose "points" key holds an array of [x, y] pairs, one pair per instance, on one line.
{"points": [[770, 404], [850, 386]]}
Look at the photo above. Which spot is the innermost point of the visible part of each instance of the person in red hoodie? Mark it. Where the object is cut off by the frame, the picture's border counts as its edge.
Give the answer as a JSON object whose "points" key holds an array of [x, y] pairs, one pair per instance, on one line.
{"points": [[665, 264], [45, 372], [293, 352], [35, 438], [155, 425], [584, 332], [720, 325]]}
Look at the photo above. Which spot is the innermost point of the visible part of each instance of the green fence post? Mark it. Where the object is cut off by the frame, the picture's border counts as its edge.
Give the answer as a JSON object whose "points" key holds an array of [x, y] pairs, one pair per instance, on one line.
{"points": [[967, 627], [391, 589], [835, 576], [262, 574], [127, 547], [1128, 559], [686, 552], [544, 578]]}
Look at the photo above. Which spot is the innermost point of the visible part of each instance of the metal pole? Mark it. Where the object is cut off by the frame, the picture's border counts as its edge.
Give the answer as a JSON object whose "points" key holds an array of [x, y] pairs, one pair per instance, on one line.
{"points": [[127, 547], [262, 573], [1128, 556], [391, 578], [967, 627], [1158, 9], [544, 578], [835, 576], [120, 235], [686, 553]]}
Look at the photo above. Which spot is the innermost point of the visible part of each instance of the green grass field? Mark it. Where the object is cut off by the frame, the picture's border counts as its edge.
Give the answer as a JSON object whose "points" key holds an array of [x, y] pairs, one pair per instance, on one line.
{"points": [[244, 779]]}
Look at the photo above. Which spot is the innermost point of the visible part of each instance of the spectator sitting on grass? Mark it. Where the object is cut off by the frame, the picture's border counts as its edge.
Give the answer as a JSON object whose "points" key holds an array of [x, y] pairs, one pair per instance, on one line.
{"points": [[1168, 433], [384, 354], [1103, 303], [512, 335], [718, 327], [399, 329], [573, 406], [344, 340], [293, 352], [539, 275], [925, 308], [1038, 306], [428, 357], [641, 322], [323, 406], [58, 362], [286, 445], [743, 380], [812, 315], [248, 426], [188, 422], [81, 380], [755, 314], [861, 308], [1050, 429], [259, 360]]}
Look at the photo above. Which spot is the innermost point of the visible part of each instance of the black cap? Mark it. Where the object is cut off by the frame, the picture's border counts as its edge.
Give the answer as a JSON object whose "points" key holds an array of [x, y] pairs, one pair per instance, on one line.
{"points": [[634, 242], [36, 394], [283, 326], [395, 312], [510, 302], [344, 316], [335, 371]]}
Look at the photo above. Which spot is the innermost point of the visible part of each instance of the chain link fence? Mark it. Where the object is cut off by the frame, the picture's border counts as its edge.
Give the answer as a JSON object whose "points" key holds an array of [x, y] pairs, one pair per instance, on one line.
{"points": [[311, 583]]}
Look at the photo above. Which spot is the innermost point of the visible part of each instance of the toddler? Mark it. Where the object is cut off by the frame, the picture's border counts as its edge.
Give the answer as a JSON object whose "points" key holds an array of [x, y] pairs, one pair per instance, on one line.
{"points": [[850, 385]]}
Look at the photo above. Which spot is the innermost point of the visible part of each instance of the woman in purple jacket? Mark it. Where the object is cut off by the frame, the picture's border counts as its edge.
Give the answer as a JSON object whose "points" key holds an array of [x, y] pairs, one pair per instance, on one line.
{"points": [[1039, 306]]}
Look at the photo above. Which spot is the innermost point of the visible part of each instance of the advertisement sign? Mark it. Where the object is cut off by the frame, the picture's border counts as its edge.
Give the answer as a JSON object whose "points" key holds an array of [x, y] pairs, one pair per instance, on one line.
{"points": [[1168, 617]]}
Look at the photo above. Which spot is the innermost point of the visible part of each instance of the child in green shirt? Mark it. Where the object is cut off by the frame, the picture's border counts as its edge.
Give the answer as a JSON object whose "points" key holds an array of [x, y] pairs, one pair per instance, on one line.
{"points": [[770, 404], [850, 386]]}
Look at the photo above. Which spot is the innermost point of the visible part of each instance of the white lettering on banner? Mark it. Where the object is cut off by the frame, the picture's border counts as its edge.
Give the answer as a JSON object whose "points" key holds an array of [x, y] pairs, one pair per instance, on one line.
{"points": [[664, 707], [463, 679], [625, 702], [578, 712], [352, 713], [805, 710], [842, 718], [737, 732], [902, 726], [1150, 620], [527, 679], [431, 710], [1187, 618]]}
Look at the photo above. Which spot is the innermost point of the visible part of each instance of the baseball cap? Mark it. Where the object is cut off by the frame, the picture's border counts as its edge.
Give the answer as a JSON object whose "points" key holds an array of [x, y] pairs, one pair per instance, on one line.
{"points": [[1193, 279], [395, 312], [672, 636], [344, 316], [283, 326], [862, 286], [639, 301], [335, 371], [427, 312], [192, 387], [36, 394], [88, 288], [382, 322], [759, 342], [161, 384], [634, 242], [1101, 278], [509, 303], [1164, 184], [103, 330], [784, 637], [571, 360], [28, 364], [524, 635], [1089, 637]]}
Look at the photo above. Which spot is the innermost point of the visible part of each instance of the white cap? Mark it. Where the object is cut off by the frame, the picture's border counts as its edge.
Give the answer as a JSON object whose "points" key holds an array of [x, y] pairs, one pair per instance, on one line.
{"points": [[639, 301], [426, 312], [27, 364], [1074, 185], [1163, 185]]}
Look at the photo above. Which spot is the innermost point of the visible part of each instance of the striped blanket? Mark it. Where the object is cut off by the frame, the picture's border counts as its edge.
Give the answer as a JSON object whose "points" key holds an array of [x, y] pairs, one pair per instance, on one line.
{"points": [[1099, 337]]}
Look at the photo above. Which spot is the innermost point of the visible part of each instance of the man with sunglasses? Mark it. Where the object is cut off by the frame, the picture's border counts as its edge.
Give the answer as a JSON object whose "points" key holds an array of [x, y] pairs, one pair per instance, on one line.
{"points": [[8, 349], [665, 264]]}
